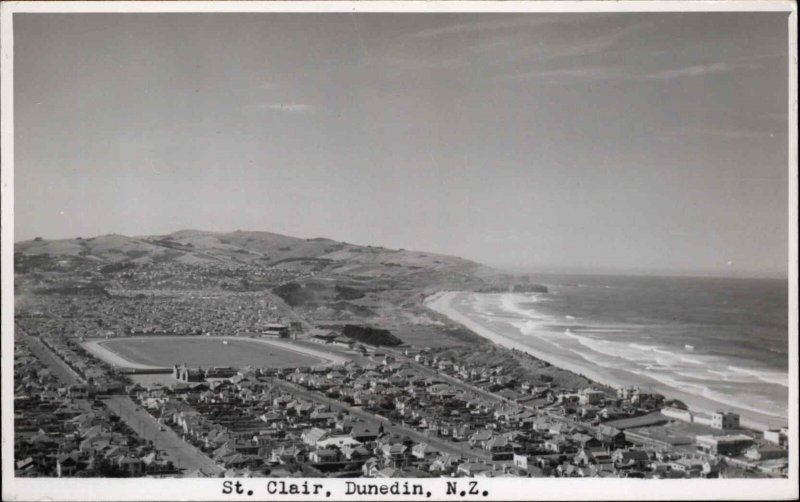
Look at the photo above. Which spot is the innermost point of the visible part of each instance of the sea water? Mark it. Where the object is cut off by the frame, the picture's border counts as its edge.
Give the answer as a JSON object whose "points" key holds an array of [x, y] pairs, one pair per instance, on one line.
{"points": [[717, 344]]}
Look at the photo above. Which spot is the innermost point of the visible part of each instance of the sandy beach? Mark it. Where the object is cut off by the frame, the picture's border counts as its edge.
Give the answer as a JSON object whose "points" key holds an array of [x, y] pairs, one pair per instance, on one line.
{"points": [[442, 303]]}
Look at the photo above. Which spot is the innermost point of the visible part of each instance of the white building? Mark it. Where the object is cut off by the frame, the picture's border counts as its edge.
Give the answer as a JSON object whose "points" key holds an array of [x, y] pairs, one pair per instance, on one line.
{"points": [[777, 436], [725, 420], [724, 445], [677, 414]]}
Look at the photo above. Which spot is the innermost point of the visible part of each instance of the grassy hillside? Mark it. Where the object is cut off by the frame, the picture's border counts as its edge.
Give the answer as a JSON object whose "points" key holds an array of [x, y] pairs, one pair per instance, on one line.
{"points": [[324, 282], [194, 247]]}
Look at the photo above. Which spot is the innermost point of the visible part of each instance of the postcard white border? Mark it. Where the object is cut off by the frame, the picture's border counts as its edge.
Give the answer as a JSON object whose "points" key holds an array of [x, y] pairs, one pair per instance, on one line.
{"points": [[498, 488]]}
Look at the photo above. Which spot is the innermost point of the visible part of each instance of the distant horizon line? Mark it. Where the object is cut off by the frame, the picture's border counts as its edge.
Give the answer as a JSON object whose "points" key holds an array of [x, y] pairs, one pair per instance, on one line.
{"points": [[615, 272], [527, 269]]}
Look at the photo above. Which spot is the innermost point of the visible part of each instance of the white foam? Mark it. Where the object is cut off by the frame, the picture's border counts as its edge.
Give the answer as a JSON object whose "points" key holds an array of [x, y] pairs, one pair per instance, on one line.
{"points": [[773, 377], [608, 360]]}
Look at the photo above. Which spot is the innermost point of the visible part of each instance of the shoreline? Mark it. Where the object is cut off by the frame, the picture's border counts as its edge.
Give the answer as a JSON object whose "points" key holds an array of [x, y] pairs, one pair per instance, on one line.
{"points": [[441, 303]]}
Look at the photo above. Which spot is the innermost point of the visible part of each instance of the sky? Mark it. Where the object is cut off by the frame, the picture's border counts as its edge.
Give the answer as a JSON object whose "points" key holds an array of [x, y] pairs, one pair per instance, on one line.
{"points": [[636, 143]]}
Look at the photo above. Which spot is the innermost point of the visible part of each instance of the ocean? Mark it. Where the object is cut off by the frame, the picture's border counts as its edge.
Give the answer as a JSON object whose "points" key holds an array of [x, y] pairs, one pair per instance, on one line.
{"points": [[716, 344]]}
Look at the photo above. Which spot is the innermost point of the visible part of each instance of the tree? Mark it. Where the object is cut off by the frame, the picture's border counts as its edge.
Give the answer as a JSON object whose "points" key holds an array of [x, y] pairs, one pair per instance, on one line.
{"points": [[676, 403]]}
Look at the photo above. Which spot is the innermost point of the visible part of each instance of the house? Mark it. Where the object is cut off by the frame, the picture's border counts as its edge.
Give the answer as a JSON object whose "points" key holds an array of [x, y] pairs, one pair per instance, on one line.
{"points": [[423, 451], [585, 441], [131, 465], [345, 424], [445, 463], [723, 445], [394, 452], [480, 437], [724, 420], [590, 396], [611, 437], [389, 472], [461, 432], [322, 417], [49, 396], [524, 462], [324, 455], [559, 428], [630, 459], [472, 469], [555, 444], [499, 447], [567, 470], [776, 436], [692, 467], [712, 468], [600, 458], [364, 432], [288, 454], [25, 464], [313, 435], [354, 452], [80, 391], [68, 464], [337, 441], [370, 467], [775, 467], [765, 452]]}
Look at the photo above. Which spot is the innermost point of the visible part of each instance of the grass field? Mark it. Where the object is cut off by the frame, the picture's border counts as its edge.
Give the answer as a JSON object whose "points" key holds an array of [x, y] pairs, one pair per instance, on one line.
{"points": [[205, 352]]}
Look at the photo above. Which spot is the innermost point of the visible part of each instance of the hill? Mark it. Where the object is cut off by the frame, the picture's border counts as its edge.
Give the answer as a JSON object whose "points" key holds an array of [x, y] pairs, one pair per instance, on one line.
{"points": [[239, 248], [315, 281]]}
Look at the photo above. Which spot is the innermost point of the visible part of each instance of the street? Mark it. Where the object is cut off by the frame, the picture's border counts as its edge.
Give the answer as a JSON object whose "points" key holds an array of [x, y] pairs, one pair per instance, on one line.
{"points": [[55, 363], [182, 454], [443, 445]]}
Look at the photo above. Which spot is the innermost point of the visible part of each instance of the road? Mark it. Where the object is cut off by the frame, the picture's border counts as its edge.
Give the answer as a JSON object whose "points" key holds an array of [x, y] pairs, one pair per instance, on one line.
{"points": [[443, 445], [493, 397], [182, 454], [455, 382], [60, 369]]}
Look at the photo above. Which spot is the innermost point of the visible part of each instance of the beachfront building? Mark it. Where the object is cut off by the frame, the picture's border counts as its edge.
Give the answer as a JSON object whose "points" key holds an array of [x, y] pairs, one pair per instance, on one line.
{"points": [[732, 444], [777, 436], [719, 420], [591, 396], [765, 452], [725, 420]]}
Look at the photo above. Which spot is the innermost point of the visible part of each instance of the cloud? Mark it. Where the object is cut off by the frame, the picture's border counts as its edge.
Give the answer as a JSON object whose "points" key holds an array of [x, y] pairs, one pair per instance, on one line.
{"points": [[725, 133], [612, 72], [584, 73], [288, 107], [600, 44], [502, 46], [696, 71], [494, 24], [419, 63]]}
